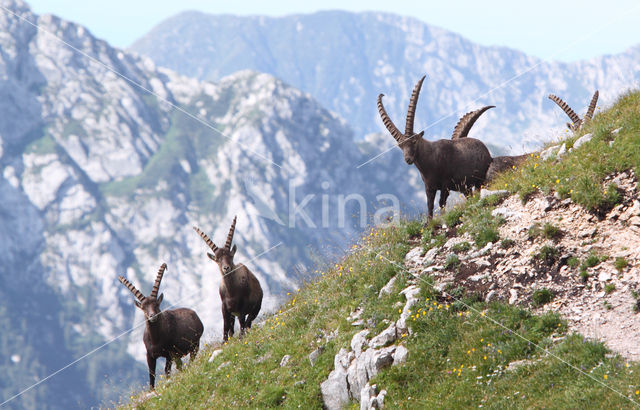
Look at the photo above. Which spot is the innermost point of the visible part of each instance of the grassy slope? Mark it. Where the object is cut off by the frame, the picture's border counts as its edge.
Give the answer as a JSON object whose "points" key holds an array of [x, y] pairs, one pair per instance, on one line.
{"points": [[457, 355]]}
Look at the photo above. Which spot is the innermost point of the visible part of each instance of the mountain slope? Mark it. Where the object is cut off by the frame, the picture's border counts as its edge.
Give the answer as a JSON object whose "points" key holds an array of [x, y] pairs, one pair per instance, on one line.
{"points": [[101, 178], [475, 309], [346, 59]]}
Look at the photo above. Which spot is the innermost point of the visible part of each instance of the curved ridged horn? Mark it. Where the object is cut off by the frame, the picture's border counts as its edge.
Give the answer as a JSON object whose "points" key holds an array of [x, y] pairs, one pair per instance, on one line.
{"points": [[230, 236], [391, 127], [132, 288], [565, 107], [592, 106], [156, 285], [204, 236], [411, 111], [466, 122]]}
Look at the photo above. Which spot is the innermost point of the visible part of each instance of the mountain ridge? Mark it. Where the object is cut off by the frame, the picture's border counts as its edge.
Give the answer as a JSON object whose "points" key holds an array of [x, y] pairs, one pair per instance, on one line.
{"points": [[100, 178], [385, 53]]}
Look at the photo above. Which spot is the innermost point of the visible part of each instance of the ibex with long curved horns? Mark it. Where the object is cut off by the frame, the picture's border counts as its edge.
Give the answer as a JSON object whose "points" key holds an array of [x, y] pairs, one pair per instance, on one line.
{"points": [[240, 290], [170, 333], [458, 164], [576, 122]]}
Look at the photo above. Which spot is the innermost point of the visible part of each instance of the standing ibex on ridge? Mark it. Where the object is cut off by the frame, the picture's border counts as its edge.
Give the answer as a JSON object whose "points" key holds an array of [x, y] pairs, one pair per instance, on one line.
{"points": [[240, 290], [576, 122], [170, 333], [458, 164]]}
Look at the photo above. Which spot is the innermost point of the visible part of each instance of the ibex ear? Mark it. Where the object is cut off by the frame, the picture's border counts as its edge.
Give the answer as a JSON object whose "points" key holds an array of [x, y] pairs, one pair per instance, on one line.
{"points": [[419, 136], [212, 256], [138, 304], [234, 248], [159, 299]]}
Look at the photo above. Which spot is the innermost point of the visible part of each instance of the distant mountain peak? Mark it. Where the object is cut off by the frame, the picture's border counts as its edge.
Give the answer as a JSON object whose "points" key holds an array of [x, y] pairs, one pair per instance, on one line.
{"points": [[345, 59]]}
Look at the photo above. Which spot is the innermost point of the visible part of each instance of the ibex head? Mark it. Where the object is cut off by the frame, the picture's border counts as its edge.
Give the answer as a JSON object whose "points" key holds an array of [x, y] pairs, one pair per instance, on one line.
{"points": [[150, 305], [222, 256], [407, 141]]}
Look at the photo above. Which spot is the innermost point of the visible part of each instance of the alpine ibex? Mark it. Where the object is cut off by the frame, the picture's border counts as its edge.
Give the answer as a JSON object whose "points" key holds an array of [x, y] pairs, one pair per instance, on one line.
{"points": [[170, 333], [240, 291], [458, 164], [498, 164], [576, 122]]}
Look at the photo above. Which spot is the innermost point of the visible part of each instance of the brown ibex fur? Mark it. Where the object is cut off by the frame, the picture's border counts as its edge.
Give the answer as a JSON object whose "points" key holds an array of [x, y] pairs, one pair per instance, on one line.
{"points": [[498, 164], [459, 164], [170, 333], [240, 290]]}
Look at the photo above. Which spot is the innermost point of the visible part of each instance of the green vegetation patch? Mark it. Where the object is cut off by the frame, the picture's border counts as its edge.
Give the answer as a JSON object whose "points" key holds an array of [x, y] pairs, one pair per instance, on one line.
{"points": [[542, 296], [580, 174]]}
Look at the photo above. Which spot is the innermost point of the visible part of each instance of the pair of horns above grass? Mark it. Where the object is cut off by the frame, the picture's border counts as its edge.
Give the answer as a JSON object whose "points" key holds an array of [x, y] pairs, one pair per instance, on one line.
{"points": [[576, 121]]}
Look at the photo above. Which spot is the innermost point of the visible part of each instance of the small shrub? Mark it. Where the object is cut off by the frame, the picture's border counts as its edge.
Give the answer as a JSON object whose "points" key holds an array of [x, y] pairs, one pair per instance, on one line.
{"points": [[620, 263], [547, 231], [573, 262], [609, 287], [491, 200], [507, 243], [485, 235], [478, 221], [453, 216], [534, 231], [584, 275], [542, 296], [413, 228], [607, 305], [429, 240], [461, 247], [452, 262], [548, 254], [611, 197], [551, 231], [592, 260]]}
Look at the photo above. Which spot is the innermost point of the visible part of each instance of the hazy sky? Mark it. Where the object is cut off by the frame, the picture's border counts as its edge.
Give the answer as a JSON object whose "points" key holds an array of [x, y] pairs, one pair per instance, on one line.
{"points": [[544, 28]]}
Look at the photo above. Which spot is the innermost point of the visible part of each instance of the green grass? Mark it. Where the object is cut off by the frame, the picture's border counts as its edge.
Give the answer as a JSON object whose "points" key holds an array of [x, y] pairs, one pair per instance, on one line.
{"points": [[453, 216], [581, 172], [461, 247], [620, 263], [548, 254], [452, 262], [593, 259], [478, 221], [459, 350], [457, 357], [542, 296], [431, 240], [609, 288], [547, 231], [573, 262], [507, 243]]}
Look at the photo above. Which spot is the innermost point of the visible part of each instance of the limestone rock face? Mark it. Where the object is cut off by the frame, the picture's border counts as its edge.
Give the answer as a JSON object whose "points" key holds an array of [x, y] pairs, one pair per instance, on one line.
{"points": [[100, 178]]}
